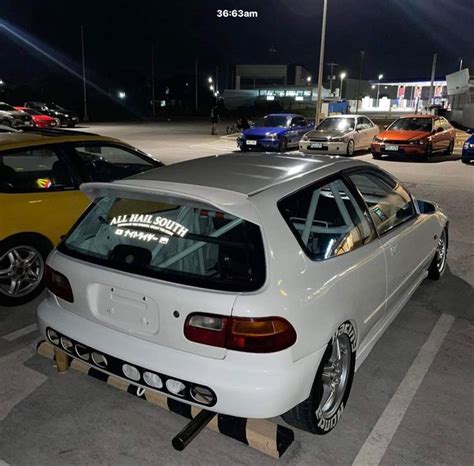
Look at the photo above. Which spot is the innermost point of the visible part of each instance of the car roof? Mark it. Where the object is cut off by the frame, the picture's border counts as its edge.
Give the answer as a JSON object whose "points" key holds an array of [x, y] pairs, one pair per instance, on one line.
{"points": [[246, 175], [431, 117], [284, 115], [42, 137]]}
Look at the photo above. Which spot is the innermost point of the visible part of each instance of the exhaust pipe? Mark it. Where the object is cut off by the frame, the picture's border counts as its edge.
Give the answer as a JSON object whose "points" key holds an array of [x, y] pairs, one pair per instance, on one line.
{"points": [[187, 434]]}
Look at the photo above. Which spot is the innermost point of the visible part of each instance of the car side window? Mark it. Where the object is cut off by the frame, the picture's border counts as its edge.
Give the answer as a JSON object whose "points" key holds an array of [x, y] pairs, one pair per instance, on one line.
{"points": [[41, 169], [298, 121], [326, 220], [389, 203], [366, 122], [106, 162]]}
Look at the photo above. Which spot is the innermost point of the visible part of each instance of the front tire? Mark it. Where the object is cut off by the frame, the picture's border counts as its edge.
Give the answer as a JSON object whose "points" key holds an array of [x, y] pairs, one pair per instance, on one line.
{"points": [[428, 152], [440, 259], [350, 148], [22, 265], [320, 413], [283, 146], [450, 148]]}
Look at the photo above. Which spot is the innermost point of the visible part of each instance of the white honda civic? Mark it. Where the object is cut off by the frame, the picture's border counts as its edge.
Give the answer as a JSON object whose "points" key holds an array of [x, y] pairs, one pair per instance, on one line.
{"points": [[248, 285]]}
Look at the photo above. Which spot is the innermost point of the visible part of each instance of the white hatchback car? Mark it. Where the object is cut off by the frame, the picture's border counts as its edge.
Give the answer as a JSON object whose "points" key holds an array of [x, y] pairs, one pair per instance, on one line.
{"points": [[249, 285]]}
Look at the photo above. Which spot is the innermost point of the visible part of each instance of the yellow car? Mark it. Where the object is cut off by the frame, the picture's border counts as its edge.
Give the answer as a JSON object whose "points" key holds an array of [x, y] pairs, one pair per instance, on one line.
{"points": [[40, 174]]}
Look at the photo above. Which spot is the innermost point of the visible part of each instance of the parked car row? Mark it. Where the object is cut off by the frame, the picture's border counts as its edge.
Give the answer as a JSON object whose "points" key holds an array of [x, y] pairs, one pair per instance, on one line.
{"points": [[417, 135], [36, 114]]}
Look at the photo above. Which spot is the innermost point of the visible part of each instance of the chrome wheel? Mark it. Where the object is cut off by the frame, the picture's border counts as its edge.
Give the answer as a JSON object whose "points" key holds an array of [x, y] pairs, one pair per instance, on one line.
{"points": [[21, 271], [441, 253], [335, 375]]}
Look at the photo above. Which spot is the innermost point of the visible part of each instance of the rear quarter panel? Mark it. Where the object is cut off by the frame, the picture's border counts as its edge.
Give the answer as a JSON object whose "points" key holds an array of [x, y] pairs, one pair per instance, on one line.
{"points": [[50, 214]]}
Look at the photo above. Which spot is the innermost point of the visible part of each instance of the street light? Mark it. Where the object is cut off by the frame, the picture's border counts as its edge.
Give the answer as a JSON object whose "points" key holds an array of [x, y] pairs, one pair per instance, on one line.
{"points": [[378, 89], [209, 79], [211, 87], [342, 76], [308, 80], [121, 95]]}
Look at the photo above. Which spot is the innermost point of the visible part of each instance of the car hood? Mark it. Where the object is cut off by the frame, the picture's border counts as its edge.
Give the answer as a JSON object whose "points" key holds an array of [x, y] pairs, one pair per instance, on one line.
{"points": [[43, 117], [396, 135], [262, 130], [317, 133]]}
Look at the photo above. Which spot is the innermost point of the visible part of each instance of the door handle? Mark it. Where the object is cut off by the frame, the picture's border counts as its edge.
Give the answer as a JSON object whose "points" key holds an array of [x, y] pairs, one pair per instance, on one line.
{"points": [[394, 250]]}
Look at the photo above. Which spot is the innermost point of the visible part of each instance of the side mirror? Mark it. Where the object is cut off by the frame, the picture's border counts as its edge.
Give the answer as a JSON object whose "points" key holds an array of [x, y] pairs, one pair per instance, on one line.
{"points": [[385, 126]]}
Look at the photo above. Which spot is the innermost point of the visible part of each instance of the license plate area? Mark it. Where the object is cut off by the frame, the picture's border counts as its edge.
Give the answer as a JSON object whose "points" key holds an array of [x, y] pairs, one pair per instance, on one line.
{"points": [[251, 143], [127, 310], [391, 147], [316, 145]]}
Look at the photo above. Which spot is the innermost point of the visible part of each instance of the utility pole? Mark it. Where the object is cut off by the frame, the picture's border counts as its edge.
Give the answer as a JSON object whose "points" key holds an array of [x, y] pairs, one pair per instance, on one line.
{"points": [[217, 84], [360, 78], [86, 116], [153, 78], [332, 65], [196, 85], [321, 63], [433, 72]]}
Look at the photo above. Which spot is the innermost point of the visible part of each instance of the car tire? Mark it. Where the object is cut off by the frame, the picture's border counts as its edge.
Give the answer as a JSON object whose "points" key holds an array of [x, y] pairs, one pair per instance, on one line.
{"points": [[244, 148], [376, 155], [5, 123], [317, 414], [71, 125], [428, 152], [14, 253], [350, 148], [438, 264], [450, 148], [283, 146]]}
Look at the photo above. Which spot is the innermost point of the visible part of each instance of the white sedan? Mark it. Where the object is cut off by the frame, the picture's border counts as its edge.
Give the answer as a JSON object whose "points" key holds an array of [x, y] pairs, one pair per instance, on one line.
{"points": [[340, 135], [248, 285]]}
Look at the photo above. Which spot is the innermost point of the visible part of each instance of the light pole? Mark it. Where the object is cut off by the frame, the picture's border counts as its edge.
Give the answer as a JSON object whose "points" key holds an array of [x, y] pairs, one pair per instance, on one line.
{"points": [[308, 80], [342, 76], [86, 116], [360, 79], [321, 63], [378, 89], [331, 76], [153, 79]]}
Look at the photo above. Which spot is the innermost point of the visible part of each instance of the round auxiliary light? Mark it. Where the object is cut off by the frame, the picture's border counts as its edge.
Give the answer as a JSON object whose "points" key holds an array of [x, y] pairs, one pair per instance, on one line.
{"points": [[99, 359], [52, 336], [202, 395], [82, 352], [175, 387], [153, 380], [131, 372], [66, 343]]}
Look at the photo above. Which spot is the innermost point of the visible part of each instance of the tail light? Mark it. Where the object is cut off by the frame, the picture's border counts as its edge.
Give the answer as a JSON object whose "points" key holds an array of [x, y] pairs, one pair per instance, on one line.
{"points": [[58, 284], [259, 335]]}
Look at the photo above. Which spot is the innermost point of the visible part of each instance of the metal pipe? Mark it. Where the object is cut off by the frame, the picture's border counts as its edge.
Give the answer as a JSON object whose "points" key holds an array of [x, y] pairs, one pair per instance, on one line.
{"points": [[86, 116], [189, 432], [321, 64]]}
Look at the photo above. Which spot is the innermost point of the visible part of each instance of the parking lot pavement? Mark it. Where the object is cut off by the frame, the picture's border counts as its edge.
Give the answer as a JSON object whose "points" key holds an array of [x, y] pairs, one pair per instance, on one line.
{"points": [[421, 372]]}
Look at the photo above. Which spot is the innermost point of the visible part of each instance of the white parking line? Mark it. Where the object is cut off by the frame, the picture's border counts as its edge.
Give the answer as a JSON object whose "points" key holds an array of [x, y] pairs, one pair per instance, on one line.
{"points": [[379, 439], [20, 332]]}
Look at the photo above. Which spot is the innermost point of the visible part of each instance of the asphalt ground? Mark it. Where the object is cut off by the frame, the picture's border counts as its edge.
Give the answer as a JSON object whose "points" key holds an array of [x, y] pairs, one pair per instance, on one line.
{"points": [[411, 402]]}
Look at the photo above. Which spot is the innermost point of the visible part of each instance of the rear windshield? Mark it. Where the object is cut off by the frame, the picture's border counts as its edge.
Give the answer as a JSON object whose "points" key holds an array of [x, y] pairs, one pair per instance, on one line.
{"points": [[178, 243]]}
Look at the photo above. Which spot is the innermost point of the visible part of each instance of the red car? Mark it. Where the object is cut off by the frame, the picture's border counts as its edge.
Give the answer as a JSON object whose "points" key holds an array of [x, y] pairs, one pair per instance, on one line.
{"points": [[40, 120], [419, 135]]}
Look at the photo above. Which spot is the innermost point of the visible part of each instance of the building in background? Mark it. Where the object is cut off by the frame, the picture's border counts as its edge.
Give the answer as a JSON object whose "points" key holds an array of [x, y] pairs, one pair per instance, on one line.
{"points": [[460, 89]]}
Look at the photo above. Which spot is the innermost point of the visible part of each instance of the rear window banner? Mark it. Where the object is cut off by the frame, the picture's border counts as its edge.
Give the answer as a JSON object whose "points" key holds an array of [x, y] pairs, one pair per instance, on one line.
{"points": [[150, 222]]}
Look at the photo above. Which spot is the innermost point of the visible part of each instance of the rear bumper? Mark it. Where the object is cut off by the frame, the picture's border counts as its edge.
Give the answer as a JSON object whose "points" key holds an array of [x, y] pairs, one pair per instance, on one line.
{"points": [[245, 385]]}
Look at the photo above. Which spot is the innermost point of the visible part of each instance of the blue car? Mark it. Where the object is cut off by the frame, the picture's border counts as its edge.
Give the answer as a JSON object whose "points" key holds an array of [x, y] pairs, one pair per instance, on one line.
{"points": [[278, 131], [468, 150]]}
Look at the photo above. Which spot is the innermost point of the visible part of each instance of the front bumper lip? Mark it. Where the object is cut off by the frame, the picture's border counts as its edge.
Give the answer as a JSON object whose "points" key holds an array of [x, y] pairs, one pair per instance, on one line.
{"points": [[403, 148], [265, 143], [332, 148], [246, 385]]}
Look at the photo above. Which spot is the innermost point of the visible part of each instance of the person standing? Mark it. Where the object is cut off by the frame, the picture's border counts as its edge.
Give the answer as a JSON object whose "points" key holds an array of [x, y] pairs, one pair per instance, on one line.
{"points": [[214, 118]]}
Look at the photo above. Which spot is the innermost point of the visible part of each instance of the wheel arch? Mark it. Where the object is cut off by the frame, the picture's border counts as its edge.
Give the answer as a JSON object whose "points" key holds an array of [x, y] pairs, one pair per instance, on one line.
{"points": [[29, 236]]}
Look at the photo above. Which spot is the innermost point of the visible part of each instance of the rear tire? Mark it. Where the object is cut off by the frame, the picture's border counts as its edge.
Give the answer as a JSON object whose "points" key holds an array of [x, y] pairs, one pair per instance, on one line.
{"points": [[15, 266], [440, 259], [5, 123], [450, 148], [320, 413]]}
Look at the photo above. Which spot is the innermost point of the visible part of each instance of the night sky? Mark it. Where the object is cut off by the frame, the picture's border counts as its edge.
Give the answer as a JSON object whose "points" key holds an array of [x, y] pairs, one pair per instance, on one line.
{"points": [[398, 36]]}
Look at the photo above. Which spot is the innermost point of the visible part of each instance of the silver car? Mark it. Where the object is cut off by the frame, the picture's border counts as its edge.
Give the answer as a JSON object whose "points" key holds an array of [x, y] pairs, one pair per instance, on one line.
{"points": [[340, 135], [13, 118]]}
